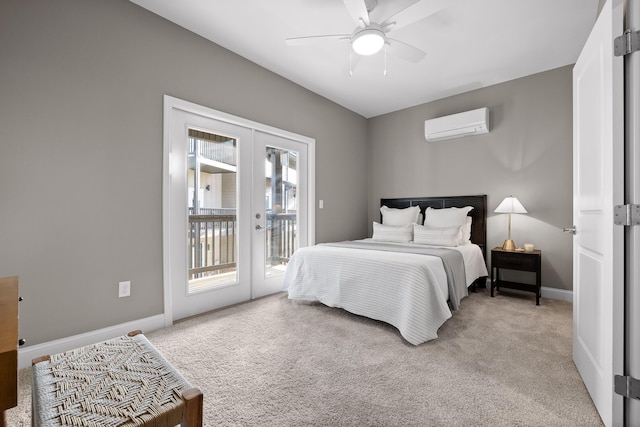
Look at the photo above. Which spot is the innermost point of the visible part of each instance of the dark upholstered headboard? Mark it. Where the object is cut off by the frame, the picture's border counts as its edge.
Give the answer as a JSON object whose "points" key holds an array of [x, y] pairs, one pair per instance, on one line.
{"points": [[478, 213]]}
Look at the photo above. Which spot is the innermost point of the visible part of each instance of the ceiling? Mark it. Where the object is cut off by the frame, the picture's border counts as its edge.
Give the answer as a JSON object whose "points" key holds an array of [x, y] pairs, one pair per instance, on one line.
{"points": [[469, 44]]}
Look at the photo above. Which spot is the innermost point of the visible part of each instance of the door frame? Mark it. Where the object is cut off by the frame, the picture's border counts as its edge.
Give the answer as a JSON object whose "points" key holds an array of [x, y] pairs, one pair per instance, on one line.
{"points": [[171, 103], [632, 196]]}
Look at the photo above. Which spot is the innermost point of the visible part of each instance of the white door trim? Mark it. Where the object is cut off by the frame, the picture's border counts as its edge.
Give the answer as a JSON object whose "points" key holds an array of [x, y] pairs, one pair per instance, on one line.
{"points": [[171, 103], [632, 180]]}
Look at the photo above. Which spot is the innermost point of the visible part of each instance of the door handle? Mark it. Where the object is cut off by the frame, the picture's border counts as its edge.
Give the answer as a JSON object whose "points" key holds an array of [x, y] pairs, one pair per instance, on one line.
{"points": [[571, 230], [258, 227]]}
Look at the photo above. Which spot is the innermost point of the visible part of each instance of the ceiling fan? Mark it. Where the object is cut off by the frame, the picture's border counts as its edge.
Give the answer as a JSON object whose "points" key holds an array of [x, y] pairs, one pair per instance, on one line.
{"points": [[369, 37]]}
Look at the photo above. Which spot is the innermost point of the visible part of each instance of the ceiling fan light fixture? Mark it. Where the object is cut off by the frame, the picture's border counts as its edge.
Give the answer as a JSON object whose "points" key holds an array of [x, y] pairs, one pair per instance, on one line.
{"points": [[368, 41]]}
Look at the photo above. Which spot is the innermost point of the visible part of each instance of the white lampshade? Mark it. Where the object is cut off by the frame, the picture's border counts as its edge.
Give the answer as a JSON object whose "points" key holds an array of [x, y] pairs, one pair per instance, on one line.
{"points": [[368, 41], [510, 205]]}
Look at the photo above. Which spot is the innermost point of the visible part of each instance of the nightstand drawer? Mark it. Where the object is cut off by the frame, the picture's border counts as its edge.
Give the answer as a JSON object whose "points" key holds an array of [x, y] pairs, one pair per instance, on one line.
{"points": [[516, 261]]}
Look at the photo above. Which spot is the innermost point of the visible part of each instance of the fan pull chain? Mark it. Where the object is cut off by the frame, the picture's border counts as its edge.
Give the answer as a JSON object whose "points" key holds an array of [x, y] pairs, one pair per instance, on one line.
{"points": [[385, 60]]}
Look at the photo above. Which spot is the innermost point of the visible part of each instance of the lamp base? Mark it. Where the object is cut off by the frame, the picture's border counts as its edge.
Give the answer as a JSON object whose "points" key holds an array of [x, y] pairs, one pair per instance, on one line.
{"points": [[509, 245]]}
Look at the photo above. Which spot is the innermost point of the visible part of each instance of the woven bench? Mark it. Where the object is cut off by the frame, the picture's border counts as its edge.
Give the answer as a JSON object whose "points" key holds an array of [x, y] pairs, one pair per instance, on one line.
{"points": [[120, 382]]}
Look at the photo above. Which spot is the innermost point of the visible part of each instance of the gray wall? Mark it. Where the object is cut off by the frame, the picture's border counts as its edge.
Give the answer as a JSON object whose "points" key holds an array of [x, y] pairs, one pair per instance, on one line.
{"points": [[81, 86], [81, 90], [528, 154]]}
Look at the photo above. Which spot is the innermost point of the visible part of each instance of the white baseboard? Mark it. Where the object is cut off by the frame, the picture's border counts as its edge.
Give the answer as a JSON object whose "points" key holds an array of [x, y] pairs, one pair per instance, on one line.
{"points": [[559, 294], [27, 354], [551, 293]]}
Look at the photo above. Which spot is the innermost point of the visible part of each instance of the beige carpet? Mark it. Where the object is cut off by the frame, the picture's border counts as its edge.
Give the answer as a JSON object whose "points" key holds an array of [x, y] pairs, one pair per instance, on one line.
{"points": [[498, 362]]}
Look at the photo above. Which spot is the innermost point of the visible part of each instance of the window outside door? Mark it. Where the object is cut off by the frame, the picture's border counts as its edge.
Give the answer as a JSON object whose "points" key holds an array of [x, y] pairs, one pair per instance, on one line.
{"points": [[211, 233]]}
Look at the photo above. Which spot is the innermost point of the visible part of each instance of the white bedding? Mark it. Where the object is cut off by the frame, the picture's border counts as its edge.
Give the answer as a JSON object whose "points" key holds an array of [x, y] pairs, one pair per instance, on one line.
{"points": [[408, 291]]}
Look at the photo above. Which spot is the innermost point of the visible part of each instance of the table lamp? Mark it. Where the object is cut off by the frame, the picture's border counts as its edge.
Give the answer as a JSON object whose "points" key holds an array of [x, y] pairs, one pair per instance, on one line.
{"points": [[510, 205]]}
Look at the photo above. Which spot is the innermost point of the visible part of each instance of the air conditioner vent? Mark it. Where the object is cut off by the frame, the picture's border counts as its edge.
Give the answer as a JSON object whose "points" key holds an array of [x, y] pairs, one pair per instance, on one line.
{"points": [[474, 122]]}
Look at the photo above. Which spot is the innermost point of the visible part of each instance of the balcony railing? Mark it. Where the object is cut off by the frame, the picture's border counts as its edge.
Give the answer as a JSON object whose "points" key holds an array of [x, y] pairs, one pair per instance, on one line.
{"points": [[214, 211], [281, 238], [219, 151], [213, 242]]}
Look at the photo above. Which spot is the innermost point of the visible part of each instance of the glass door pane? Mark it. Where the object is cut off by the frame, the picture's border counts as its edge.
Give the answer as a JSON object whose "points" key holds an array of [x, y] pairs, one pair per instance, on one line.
{"points": [[281, 208], [212, 200]]}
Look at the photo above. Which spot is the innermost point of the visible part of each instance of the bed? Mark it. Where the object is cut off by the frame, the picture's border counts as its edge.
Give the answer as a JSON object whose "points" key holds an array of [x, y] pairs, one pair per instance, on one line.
{"points": [[411, 283]]}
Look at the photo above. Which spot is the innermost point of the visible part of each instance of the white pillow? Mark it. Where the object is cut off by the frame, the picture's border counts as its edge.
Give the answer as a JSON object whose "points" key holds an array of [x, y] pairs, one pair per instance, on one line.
{"points": [[447, 217], [392, 233], [466, 231], [403, 216], [440, 236]]}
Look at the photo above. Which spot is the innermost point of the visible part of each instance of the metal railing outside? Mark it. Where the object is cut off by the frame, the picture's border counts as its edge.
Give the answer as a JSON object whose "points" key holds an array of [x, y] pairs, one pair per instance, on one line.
{"points": [[213, 242], [281, 237], [218, 151]]}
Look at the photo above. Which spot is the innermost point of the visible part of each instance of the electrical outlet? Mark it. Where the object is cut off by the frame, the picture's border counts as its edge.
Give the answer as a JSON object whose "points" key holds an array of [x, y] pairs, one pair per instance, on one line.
{"points": [[124, 289]]}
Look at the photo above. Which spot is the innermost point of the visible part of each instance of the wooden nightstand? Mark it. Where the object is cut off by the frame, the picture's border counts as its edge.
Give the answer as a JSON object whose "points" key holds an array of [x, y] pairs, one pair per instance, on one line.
{"points": [[512, 260]]}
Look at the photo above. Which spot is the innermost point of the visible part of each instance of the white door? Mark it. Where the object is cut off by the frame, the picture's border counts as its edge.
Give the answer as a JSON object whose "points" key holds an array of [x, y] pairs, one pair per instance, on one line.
{"points": [[598, 251], [280, 209], [214, 172], [206, 259]]}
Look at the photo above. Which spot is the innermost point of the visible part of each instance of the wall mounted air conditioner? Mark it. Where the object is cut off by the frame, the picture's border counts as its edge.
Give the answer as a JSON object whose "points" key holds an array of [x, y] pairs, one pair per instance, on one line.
{"points": [[474, 122]]}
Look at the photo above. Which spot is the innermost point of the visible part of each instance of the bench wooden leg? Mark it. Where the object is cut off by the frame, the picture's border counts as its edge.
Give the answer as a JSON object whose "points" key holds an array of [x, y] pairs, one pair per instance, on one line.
{"points": [[40, 359], [193, 408]]}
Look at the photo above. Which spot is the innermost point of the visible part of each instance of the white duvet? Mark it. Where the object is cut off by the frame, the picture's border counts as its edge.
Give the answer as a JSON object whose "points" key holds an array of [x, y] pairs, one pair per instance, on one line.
{"points": [[408, 291]]}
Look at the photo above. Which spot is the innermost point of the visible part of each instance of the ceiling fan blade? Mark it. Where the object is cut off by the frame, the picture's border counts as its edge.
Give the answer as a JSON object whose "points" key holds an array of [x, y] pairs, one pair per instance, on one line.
{"points": [[306, 40], [413, 13], [405, 51], [358, 11], [385, 9]]}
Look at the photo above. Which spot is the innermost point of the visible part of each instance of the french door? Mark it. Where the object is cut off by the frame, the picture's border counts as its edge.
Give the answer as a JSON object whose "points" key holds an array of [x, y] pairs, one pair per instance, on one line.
{"points": [[280, 210], [236, 200]]}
